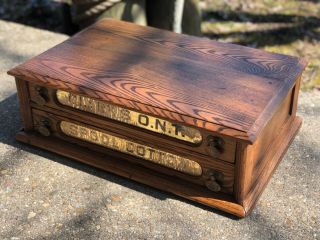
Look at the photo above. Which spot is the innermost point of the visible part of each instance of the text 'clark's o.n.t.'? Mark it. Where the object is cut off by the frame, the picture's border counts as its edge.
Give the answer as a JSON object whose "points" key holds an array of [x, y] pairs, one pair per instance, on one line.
{"points": [[204, 120], [134, 118]]}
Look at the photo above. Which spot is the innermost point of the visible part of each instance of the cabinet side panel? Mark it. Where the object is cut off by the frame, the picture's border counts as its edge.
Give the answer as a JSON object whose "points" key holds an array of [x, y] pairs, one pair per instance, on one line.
{"points": [[271, 131], [267, 152], [272, 158], [251, 160], [25, 110]]}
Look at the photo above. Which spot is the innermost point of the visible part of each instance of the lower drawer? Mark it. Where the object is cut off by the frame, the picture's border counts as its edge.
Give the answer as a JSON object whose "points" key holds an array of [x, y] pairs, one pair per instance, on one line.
{"points": [[213, 174]]}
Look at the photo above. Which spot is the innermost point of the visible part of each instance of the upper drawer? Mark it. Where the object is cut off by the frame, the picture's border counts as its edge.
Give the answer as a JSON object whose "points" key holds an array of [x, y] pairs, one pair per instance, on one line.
{"points": [[109, 116]]}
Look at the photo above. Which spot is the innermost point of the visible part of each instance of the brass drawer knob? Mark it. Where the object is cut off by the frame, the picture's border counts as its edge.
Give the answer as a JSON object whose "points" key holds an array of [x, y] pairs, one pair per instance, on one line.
{"points": [[213, 185], [213, 180], [215, 145], [44, 128], [41, 97]]}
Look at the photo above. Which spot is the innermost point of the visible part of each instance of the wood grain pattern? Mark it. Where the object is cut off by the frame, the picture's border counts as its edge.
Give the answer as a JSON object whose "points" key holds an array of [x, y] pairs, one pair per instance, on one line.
{"points": [[218, 129], [271, 132], [182, 78]]}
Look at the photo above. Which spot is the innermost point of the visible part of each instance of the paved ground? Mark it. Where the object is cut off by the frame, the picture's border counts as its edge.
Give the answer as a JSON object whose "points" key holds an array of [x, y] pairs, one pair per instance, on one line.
{"points": [[45, 196]]}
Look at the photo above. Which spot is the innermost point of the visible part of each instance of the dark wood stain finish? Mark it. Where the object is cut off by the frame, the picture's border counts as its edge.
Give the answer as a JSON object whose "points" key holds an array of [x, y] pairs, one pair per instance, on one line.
{"points": [[245, 96]]}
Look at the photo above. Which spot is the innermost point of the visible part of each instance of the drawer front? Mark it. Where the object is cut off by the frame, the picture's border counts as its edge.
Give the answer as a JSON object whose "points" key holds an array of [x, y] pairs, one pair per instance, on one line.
{"points": [[153, 129], [215, 175]]}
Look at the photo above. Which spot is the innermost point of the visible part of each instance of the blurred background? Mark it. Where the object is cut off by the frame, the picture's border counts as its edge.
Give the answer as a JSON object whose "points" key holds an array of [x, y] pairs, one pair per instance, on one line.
{"points": [[283, 26]]}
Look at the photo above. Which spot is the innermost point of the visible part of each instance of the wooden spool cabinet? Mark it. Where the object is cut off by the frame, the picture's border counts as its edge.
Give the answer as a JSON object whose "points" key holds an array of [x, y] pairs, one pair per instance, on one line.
{"points": [[204, 120]]}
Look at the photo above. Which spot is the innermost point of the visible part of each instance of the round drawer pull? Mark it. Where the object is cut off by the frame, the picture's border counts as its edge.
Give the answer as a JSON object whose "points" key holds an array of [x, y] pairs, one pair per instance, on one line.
{"points": [[216, 145], [42, 96], [213, 180], [44, 128], [44, 131], [213, 185]]}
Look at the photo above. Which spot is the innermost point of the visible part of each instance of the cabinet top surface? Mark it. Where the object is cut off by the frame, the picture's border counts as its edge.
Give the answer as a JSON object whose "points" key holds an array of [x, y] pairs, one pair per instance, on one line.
{"points": [[169, 75]]}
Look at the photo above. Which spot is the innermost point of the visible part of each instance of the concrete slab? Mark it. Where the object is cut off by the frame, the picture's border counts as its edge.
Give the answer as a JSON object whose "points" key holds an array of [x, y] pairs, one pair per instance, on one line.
{"points": [[45, 196]]}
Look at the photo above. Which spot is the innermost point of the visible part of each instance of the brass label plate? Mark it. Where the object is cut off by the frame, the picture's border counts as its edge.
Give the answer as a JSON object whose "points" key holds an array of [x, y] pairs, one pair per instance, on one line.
{"points": [[157, 156], [130, 117]]}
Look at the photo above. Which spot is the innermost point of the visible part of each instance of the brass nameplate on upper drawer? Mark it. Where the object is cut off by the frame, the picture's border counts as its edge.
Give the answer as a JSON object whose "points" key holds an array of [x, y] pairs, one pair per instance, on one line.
{"points": [[124, 115], [163, 158]]}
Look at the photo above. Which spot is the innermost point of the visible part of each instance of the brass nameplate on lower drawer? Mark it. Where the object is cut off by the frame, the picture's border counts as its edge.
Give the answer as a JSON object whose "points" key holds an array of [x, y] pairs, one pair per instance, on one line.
{"points": [[166, 159], [124, 115]]}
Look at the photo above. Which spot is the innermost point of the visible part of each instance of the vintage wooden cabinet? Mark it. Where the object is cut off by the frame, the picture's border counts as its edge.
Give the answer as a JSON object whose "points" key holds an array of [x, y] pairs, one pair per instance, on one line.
{"points": [[204, 120]]}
